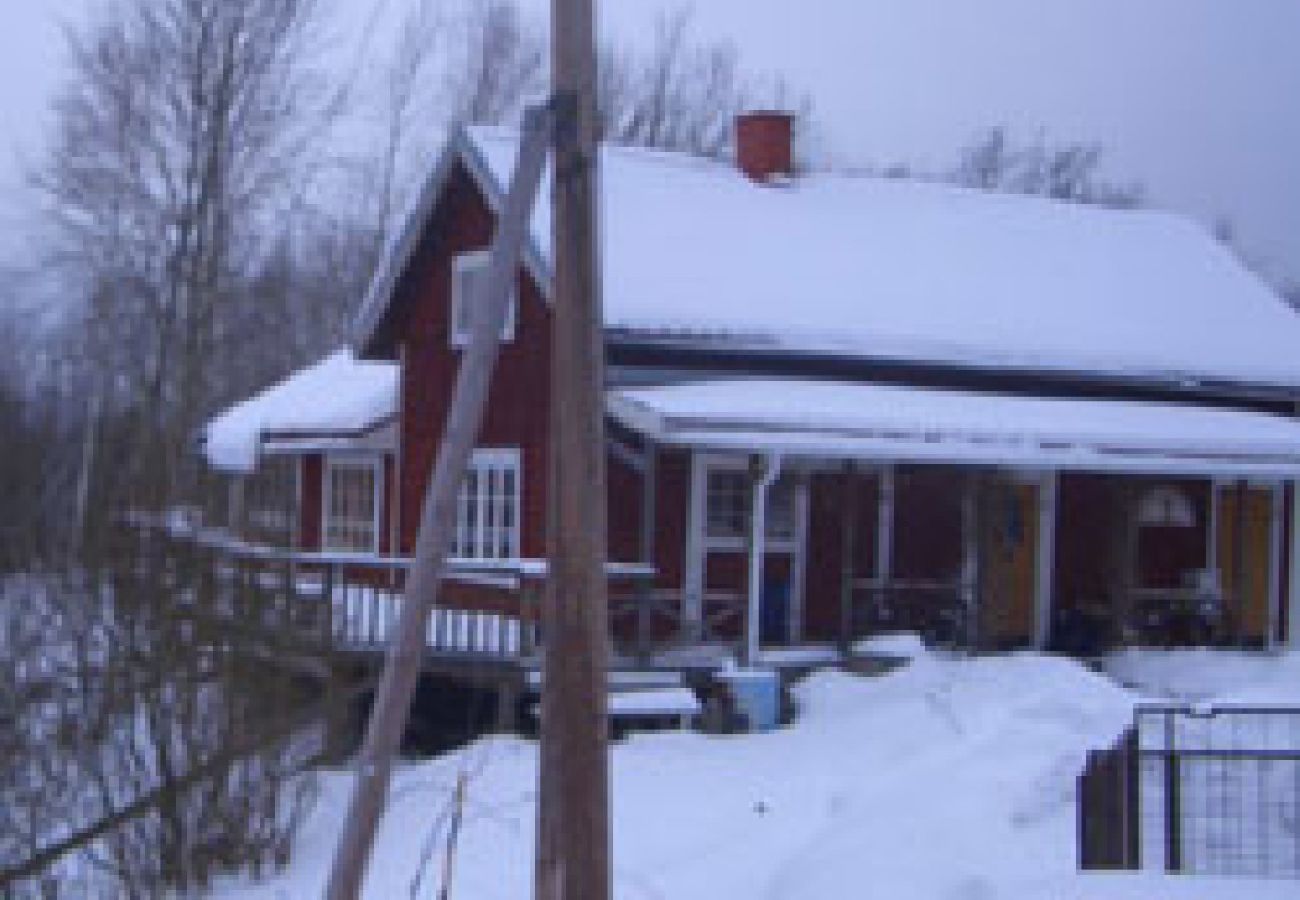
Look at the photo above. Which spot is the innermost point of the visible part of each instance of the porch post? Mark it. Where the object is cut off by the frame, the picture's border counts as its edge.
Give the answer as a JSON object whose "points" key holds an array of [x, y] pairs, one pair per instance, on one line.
{"points": [[970, 558], [795, 620], [1293, 580], [764, 471], [236, 507], [1277, 509], [1046, 563], [649, 488], [1123, 612], [645, 587], [848, 545], [885, 526], [1239, 564], [1212, 531], [692, 614]]}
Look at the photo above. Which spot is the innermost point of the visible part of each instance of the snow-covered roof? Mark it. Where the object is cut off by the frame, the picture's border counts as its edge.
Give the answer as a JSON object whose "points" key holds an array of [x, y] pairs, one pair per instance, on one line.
{"points": [[871, 267], [885, 422], [339, 396]]}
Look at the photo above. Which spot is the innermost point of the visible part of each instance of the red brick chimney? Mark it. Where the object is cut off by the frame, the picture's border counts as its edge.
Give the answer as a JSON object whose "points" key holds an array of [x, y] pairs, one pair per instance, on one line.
{"points": [[765, 145]]}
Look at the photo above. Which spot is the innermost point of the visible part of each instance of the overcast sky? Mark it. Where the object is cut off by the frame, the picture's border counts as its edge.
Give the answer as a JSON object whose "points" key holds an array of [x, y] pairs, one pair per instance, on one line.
{"points": [[1197, 99]]}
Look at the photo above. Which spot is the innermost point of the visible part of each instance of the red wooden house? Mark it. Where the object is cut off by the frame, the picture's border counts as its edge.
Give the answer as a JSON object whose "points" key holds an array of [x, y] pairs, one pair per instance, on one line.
{"points": [[994, 419]]}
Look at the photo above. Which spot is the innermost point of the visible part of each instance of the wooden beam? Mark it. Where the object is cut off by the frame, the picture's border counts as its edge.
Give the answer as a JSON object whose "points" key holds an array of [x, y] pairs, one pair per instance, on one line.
{"points": [[649, 511], [1045, 564], [573, 858], [763, 472], [696, 562], [1212, 526], [1126, 499], [1241, 584], [1293, 572], [649, 500], [885, 525], [796, 620], [235, 505], [848, 552], [469, 400], [970, 557], [1277, 511]]}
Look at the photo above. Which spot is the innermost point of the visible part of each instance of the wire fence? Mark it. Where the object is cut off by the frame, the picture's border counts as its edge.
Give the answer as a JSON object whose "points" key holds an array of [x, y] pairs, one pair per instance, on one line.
{"points": [[1212, 791]]}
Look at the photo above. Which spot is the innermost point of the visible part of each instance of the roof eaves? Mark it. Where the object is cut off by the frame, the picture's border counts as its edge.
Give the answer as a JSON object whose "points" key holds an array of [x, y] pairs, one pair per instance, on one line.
{"points": [[375, 308], [635, 415], [740, 344]]}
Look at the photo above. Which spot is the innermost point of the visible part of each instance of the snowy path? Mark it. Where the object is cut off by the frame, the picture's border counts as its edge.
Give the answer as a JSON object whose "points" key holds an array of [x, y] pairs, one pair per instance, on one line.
{"points": [[949, 779]]}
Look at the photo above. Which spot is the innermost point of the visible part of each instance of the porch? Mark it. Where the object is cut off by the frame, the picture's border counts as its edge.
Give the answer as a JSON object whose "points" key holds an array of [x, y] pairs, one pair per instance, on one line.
{"points": [[329, 607], [786, 519], [980, 521]]}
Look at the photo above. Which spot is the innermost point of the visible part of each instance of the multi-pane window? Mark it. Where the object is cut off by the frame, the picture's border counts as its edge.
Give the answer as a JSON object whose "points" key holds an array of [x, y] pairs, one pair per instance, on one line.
{"points": [[487, 511], [269, 496], [468, 275], [728, 503], [351, 506]]}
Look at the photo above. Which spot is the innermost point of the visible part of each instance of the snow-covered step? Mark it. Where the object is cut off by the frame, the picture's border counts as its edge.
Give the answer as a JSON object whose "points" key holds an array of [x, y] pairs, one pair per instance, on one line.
{"points": [[677, 703], [623, 679]]}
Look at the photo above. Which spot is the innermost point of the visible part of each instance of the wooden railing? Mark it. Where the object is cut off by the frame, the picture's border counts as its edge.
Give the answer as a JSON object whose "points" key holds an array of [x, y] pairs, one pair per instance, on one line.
{"points": [[352, 601], [935, 609]]}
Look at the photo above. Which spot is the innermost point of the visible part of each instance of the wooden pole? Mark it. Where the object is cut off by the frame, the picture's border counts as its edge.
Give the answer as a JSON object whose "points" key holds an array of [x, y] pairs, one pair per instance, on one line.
{"points": [[437, 520], [573, 861]]}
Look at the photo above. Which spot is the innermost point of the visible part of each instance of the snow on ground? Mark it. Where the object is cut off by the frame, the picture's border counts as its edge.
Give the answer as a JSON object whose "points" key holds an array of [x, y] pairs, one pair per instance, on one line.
{"points": [[950, 778], [1200, 675]]}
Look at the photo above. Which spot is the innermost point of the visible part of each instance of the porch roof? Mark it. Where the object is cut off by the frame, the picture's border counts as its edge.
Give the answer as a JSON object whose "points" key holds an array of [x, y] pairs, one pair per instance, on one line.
{"points": [[338, 403], [836, 421]]}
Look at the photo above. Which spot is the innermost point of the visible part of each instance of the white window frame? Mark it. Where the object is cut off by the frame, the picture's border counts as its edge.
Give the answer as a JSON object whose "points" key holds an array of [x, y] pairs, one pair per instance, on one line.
{"points": [[699, 545], [482, 462], [789, 543], [351, 461], [475, 263]]}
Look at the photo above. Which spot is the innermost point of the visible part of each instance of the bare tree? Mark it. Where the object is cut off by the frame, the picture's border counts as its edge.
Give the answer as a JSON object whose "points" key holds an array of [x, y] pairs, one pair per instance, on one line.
{"points": [[146, 750], [1069, 171], [179, 143], [483, 61], [504, 64], [681, 94], [183, 143]]}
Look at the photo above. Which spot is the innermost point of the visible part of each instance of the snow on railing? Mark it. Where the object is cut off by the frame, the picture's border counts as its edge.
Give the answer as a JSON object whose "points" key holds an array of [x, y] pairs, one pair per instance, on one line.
{"points": [[353, 600]]}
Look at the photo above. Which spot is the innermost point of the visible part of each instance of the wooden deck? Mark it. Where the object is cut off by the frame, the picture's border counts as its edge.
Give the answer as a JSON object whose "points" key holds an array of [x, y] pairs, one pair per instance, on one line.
{"points": [[346, 606]]}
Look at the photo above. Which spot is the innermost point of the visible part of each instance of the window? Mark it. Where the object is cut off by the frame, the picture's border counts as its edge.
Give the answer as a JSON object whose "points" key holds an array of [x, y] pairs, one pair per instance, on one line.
{"points": [[468, 274], [727, 507], [487, 511], [269, 498], [351, 506], [1166, 506]]}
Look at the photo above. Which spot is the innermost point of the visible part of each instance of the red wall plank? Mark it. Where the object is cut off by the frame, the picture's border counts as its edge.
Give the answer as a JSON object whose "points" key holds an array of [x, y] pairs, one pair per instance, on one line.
{"points": [[519, 397]]}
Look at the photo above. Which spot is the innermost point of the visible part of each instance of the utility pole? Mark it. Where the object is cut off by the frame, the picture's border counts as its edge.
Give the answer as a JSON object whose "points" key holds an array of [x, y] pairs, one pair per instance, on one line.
{"points": [[469, 400], [573, 860]]}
